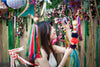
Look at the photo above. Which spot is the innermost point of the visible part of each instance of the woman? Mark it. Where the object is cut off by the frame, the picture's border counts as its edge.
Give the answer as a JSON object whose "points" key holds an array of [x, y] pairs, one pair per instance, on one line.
{"points": [[48, 34]]}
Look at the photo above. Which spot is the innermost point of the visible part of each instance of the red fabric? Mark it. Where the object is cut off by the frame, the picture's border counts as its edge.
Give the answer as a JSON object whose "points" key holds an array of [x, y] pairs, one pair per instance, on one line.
{"points": [[38, 46], [74, 40], [32, 44], [74, 29]]}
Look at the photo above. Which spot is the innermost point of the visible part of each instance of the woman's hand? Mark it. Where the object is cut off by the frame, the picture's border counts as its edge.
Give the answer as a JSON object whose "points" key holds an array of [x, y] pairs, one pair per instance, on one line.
{"points": [[68, 51]]}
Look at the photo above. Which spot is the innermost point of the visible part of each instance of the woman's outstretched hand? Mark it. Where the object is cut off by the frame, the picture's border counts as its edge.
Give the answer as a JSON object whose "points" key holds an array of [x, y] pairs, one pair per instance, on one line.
{"points": [[68, 51]]}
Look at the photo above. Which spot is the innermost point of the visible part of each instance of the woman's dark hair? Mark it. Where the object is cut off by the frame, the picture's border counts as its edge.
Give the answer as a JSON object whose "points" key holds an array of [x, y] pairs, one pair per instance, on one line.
{"points": [[45, 30]]}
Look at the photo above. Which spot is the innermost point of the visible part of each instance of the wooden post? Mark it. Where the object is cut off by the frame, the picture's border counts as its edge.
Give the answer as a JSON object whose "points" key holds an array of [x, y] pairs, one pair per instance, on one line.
{"points": [[91, 38], [94, 32], [0, 42], [97, 13], [99, 47], [5, 57], [81, 43], [98, 20]]}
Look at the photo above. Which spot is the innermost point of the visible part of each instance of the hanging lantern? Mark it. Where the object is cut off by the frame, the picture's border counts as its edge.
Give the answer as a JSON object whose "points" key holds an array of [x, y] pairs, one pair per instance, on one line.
{"points": [[3, 8], [15, 4]]}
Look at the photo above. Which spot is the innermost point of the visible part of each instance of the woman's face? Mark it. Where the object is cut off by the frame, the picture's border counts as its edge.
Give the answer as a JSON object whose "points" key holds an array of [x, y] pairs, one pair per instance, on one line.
{"points": [[53, 34]]}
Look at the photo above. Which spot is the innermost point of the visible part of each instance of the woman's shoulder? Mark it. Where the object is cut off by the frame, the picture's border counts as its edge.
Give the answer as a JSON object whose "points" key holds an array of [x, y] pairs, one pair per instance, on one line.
{"points": [[43, 53]]}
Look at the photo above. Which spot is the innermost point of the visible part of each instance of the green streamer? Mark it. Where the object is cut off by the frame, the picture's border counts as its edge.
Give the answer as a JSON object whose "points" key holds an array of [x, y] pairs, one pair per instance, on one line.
{"points": [[28, 43], [10, 35], [35, 43]]}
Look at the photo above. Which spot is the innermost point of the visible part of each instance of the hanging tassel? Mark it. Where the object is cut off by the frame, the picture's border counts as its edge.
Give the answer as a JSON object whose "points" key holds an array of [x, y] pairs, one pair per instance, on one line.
{"points": [[29, 42], [38, 44], [74, 59], [34, 44]]}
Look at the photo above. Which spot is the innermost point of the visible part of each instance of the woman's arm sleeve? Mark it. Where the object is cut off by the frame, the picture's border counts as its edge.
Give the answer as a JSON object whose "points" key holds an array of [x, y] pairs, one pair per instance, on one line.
{"points": [[59, 49]]}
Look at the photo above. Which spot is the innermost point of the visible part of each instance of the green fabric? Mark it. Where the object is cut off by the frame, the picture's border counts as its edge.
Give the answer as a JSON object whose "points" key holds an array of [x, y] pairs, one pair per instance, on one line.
{"points": [[97, 48], [35, 43], [30, 11], [10, 35]]}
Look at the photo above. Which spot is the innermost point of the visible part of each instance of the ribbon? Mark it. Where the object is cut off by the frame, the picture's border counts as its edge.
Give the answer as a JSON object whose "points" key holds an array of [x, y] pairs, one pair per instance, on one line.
{"points": [[38, 46], [79, 29], [14, 55], [34, 44]]}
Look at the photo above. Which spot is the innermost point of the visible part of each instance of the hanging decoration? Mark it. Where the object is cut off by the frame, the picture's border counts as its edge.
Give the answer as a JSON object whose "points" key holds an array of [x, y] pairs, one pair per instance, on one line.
{"points": [[14, 56], [79, 28], [15, 4], [74, 59], [34, 44], [3, 8], [29, 10]]}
